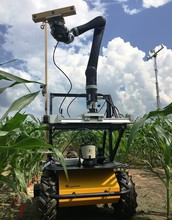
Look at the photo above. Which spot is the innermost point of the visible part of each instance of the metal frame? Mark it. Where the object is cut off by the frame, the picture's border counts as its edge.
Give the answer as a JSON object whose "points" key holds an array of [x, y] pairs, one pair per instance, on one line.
{"points": [[89, 195], [95, 122]]}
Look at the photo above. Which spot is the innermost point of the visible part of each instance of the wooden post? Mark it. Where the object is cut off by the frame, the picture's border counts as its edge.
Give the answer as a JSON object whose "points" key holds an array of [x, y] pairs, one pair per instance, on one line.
{"points": [[43, 17], [45, 79], [45, 71]]}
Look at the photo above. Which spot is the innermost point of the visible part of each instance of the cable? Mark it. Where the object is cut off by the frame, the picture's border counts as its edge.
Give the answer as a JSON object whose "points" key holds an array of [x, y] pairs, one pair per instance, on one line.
{"points": [[69, 106], [71, 103], [75, 134], [102, 106], [115, 110], [60, 107]]}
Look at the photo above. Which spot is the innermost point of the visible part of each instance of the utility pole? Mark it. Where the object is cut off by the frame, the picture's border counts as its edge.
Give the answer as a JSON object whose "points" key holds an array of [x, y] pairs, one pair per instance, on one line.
{"points": [[154, 56]]}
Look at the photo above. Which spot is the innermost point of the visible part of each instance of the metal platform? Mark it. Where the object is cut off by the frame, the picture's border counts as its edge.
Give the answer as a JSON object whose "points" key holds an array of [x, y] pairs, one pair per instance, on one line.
{"points": [[94, 121], [107, 165]]}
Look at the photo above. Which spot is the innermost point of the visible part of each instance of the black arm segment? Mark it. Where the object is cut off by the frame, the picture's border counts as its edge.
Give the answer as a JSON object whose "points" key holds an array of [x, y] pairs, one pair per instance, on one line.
{"points": [[98, 24], [60, 32]]}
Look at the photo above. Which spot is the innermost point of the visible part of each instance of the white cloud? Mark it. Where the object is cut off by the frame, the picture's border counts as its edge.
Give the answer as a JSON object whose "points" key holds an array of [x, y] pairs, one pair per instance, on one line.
{"points": [[123, 67], [132, 7], [155, 4], [130, 11], [128, 6]]}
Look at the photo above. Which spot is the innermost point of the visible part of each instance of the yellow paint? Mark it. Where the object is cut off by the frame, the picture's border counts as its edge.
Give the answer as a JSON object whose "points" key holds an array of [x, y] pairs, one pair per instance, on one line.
{"points": [[88, 181], [109, 179]]}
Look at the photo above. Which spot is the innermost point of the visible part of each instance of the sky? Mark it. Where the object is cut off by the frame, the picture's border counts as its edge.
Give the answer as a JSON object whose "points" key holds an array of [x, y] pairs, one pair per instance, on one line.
{"points": [[133, 29]]}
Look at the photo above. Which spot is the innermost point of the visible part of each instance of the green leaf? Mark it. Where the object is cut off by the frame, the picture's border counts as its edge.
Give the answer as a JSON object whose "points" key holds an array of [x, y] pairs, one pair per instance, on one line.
{"points": [[2, 77], [162, 112], [33, 118], [10, 183], [3, 133], [134, 129], [20, 103], [21, 179], [30, 143], [9, 61], [17, 79], [156, 173], [60, 155], [4, 88], [4, 148], [14, 122]]}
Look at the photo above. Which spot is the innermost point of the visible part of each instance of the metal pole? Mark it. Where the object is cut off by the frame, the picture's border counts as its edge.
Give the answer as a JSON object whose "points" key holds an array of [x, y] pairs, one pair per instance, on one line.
{"points": [[156, 73], [156, 83]]}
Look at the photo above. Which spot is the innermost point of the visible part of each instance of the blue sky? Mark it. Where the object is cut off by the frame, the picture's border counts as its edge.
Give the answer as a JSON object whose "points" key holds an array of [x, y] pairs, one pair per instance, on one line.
{"points": [[133, 28], [145, 29]]}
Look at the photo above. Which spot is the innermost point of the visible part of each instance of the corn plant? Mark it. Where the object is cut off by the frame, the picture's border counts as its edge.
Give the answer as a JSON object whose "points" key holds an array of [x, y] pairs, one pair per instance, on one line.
{"points": [[159, 138], [20, 155], [162, 136], [21, 144]]}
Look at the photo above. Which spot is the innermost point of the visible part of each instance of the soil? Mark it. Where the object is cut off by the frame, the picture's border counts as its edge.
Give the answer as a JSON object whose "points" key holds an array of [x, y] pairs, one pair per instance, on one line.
{"points": [[151, 201]]}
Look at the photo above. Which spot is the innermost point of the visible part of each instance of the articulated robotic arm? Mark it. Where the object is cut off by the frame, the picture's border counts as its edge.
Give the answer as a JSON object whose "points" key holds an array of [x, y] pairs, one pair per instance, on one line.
{"points": [[61, 33], [93, 120]]}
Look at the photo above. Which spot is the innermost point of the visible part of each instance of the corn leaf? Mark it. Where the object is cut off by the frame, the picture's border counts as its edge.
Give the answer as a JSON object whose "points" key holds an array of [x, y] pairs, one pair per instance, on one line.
{"points": [[30, 143], [162, 112], [10, 183], [17, 80], [11, 77], [135, 128], [3, 133], [26, 144], [4, 88], [59, 155], [9, 61], [14, 122], [20, 103], [21, 179]]}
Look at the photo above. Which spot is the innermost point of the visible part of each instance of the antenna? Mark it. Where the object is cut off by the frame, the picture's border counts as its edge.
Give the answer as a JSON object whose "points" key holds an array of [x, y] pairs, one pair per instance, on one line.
{"points": [[154, 56]]}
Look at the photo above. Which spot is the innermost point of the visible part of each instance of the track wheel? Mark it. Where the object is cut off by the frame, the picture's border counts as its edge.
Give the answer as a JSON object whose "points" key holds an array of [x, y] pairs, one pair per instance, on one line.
{"points": [[47, 206], [126, 207]]}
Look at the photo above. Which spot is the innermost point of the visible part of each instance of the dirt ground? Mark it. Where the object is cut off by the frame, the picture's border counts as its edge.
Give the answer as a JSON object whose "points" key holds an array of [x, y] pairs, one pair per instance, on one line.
{"points": [[151, 201]]}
